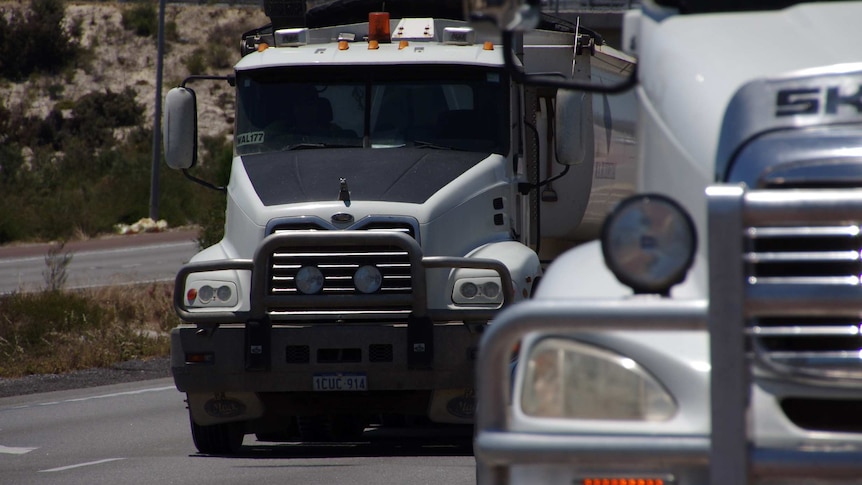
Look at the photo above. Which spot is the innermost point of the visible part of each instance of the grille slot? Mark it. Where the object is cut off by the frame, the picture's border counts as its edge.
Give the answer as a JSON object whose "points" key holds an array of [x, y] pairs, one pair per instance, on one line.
{"points": [[380, 353], [804, 254], [298, 354]]}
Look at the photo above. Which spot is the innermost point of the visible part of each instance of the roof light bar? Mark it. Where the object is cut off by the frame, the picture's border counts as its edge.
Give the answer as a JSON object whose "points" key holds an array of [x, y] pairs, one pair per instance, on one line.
{"points": [[291, 37], [459, 36]]}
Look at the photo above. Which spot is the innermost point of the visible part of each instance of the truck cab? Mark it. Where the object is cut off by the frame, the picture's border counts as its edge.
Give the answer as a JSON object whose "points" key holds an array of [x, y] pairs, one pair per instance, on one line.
{"points": [[716, 340], [383, 207]]}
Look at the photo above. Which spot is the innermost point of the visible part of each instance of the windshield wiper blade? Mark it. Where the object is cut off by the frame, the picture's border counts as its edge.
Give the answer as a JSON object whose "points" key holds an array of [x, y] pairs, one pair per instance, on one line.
{"points": [[433, 146], [307, 145], [303, 146]]}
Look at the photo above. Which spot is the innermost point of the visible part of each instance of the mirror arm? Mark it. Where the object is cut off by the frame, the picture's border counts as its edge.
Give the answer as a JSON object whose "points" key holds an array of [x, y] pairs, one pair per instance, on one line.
{"points": [[231, 79], [517, 73], [203, 182]]}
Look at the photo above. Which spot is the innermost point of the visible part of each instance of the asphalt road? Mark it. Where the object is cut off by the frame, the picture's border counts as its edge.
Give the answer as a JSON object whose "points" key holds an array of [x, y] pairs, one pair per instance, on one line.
{"points": [[113, 260], [139, 433]]}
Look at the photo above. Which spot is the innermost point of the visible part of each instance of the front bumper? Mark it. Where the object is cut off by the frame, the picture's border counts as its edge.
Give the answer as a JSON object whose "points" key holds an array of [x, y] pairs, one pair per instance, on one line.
{"points": [[298, 353]]}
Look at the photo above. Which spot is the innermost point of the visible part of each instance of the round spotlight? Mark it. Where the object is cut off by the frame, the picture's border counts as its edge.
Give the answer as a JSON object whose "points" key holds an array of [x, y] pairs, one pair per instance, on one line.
{"points": [[224, 293], [490, 289], [469, 290], [367, 279], [205, 293], [649, 241], [309, 280]]}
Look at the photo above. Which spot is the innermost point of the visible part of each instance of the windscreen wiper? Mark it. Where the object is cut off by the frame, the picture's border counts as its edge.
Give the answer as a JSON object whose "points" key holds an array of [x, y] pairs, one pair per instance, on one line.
{"points": [[433, 146]]}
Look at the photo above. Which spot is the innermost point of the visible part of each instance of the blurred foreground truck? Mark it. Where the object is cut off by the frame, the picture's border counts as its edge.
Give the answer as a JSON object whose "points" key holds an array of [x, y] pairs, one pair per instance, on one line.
{"points": [[712, 334], [392, 188]]}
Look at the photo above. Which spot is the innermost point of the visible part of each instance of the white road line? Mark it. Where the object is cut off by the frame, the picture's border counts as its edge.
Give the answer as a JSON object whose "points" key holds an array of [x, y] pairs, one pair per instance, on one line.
{"points": [[11, 450], [79, 254], [100, 396], [79, 465]]}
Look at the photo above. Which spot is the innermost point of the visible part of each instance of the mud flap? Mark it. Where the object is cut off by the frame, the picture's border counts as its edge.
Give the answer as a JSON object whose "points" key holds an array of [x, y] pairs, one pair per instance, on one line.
{"points": [[257, 345], [420, 342]]}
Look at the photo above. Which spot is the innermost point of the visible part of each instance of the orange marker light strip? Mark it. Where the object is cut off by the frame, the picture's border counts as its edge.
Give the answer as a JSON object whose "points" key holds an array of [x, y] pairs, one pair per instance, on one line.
{"points": [[343, 45], [373, 45], [623, 481], [403, 44], [262, 47], [488, 46], [202, 358]]}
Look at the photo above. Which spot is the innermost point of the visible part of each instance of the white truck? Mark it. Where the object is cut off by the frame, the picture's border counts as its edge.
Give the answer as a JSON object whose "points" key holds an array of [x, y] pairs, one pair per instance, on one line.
{"points": [[712, 334], [392, 188]]}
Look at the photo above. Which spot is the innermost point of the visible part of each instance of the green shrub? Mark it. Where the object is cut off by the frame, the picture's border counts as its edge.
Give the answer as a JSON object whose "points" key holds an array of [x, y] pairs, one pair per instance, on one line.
{"points": [[196, 62], [36, 41], [142, 19]]}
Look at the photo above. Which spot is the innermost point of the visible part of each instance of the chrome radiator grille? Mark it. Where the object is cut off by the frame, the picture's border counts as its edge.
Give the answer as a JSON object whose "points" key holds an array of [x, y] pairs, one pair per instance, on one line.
{"points": [[813, 254], [338, 266], [802, 273], [338, 255]]}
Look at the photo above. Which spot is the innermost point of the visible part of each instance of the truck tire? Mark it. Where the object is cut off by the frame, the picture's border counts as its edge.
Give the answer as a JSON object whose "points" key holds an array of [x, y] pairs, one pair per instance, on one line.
{"points": [[218, 439]]}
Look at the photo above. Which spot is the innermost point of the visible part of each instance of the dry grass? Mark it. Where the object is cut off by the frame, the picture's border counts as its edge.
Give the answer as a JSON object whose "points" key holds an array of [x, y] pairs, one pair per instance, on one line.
{"points": [[61, 331]]}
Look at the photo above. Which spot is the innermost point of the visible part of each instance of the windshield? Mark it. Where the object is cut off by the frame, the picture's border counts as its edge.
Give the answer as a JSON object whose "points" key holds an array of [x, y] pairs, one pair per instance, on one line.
{"points": [[434, 107]]}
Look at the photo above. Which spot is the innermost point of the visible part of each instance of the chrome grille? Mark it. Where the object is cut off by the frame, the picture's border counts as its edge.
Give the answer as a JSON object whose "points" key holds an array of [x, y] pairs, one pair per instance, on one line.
{"points": [[802, 265], [338, 266], [338, 254], [820, 255]]}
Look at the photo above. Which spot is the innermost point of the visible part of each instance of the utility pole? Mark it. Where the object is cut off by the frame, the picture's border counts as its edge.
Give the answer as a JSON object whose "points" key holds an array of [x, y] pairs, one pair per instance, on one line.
{"points": [[157, 118]]}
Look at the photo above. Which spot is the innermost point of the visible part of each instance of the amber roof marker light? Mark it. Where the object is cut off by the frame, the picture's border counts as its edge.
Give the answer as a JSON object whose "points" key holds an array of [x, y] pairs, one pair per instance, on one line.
{"points": [[378, 27]]}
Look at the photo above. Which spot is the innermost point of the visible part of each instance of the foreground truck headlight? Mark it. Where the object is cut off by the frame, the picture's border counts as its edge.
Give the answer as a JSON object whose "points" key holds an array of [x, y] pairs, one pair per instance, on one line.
{"points": [[567, 379], [649, 242]]}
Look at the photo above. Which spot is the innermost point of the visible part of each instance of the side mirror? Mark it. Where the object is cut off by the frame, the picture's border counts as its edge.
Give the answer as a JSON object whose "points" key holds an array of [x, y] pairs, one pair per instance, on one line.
{"points": [[514, 17], [573, 122], [180, 128]]}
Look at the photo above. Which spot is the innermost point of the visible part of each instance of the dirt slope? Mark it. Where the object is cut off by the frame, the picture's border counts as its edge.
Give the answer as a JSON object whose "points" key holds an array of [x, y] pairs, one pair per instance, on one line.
{"points": [[123, 59]]}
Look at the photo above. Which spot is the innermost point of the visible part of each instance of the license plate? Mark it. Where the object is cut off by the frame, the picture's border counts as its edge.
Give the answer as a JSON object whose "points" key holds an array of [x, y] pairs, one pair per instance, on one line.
{"points": [[340, 381]]}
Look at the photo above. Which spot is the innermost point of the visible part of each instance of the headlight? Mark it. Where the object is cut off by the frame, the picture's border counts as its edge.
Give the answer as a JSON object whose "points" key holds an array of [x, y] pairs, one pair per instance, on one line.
{"points": [[649, 242], [568, 379], [309, 280], [477, 291], [367, 279], [210, 293]]}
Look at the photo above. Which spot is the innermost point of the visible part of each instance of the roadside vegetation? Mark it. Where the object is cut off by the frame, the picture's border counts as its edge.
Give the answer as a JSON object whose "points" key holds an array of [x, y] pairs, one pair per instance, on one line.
{"points": [[55, 331], [85, 168], [52, 332]]}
